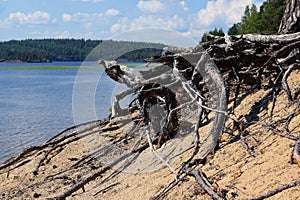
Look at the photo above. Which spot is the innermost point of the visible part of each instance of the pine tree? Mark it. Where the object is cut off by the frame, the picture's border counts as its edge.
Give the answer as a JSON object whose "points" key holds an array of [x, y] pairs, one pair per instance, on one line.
{"points": [[264, 21], [290, 22], [235, 29], [214, 32]]}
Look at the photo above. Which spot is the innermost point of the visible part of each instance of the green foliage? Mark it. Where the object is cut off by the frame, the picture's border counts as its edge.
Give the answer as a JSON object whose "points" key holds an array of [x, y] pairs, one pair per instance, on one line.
{"points": [[48, 67], [112, 50], [140, 54], [234, 30], [250, 20], [264, 21], [271, 14], [215, 32], [47, 50]]}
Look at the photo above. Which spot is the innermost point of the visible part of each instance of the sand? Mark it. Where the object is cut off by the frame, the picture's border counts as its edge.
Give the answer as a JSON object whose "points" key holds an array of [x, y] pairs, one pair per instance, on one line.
{"points": [[234, 171]]}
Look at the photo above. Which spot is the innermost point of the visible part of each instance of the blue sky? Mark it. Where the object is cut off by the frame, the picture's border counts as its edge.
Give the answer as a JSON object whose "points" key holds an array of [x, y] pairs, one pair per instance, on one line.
{"points": [[103, 19]]}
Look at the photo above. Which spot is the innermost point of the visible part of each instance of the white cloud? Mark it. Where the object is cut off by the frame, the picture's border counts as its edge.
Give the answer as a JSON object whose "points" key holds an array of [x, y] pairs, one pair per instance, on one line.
{"points": [[236, 9], [222, 11], [216, 13], [158, 35], [38, 17], [174, 22], [82, 17], [112, 12], [115, 28], [67, 17], [183, 4], [194, 33], [150, 6], [89, 18], [124, 24]]}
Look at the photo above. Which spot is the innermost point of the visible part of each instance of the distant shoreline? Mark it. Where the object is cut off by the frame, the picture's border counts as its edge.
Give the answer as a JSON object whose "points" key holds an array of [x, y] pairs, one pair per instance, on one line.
{"points": [[30, 61], [48, 50]]}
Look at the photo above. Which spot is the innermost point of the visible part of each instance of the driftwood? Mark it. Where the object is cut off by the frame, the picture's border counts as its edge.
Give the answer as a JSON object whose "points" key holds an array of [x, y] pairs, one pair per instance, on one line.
{"points": [[203, 82], [246, 62], [230, 66]]}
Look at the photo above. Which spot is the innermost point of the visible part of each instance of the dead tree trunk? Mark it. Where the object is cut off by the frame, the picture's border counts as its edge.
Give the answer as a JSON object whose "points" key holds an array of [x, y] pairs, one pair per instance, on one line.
{"points": [[290, 22]]}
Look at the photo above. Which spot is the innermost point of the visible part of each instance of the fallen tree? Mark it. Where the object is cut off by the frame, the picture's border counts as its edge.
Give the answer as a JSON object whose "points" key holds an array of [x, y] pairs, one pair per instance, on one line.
{"points": [[190, 90], [238, 65]]}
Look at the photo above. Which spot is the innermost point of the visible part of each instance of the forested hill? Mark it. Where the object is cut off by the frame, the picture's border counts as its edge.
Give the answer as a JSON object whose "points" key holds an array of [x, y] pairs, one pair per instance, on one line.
{"points": [[263, 20], [47, 50]]}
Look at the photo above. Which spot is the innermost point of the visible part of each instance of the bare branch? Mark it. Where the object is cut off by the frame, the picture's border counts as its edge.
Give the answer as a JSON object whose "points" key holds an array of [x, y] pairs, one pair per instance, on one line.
{"points": [[276, 191], [203, 183]]}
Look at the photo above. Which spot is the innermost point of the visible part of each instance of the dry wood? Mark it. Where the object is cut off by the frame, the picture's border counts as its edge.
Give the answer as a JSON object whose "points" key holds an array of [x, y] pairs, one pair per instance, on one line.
{"points": [[231, 67], [56, 143], [245, 144], [102, 122], [81, 184], [276, 191], [203, 183], [284, 81]]}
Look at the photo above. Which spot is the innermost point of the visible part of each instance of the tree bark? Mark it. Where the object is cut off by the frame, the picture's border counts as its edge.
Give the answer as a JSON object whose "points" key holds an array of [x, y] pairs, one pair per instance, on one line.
{"points": [[290, 22]]}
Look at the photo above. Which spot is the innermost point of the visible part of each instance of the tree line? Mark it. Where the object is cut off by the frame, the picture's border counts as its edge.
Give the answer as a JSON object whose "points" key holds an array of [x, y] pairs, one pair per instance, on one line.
{"points": [[265, 20], [48, 50]]}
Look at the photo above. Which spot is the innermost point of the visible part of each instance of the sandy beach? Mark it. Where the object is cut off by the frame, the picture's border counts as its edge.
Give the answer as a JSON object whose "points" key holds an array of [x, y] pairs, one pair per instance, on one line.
{"points": [[72, 158]]}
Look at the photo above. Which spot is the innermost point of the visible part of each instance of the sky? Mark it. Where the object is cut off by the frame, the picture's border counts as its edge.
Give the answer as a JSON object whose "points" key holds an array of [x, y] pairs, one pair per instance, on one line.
{"points": [[106, 19]]}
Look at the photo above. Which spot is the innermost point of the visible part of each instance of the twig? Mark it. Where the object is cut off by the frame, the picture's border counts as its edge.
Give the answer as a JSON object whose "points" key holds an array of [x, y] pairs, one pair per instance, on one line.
{"points": [[203, 182], [98, 173], [106, 188], [81, 184], [285, 118], [277, 132], [35, 172], [276, 191], [285, 84], [47, 144], [156, 154], [190, 162], [245, 144], [101, 122], [163, 193], [275, 91], [61, 145], [26, 152], [237, 90]]}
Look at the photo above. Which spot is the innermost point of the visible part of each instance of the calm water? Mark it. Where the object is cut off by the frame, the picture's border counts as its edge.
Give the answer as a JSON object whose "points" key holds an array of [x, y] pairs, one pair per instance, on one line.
{"points": [[35, 104]]}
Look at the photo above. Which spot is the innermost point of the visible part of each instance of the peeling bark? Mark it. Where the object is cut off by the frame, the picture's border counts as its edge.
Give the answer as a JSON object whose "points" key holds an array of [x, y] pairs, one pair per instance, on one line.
{"points": [[290, 22]]}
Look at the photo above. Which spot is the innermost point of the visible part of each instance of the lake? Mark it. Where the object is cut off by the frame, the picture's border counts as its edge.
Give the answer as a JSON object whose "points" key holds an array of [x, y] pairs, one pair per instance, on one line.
{"points": [[37, 100]]}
